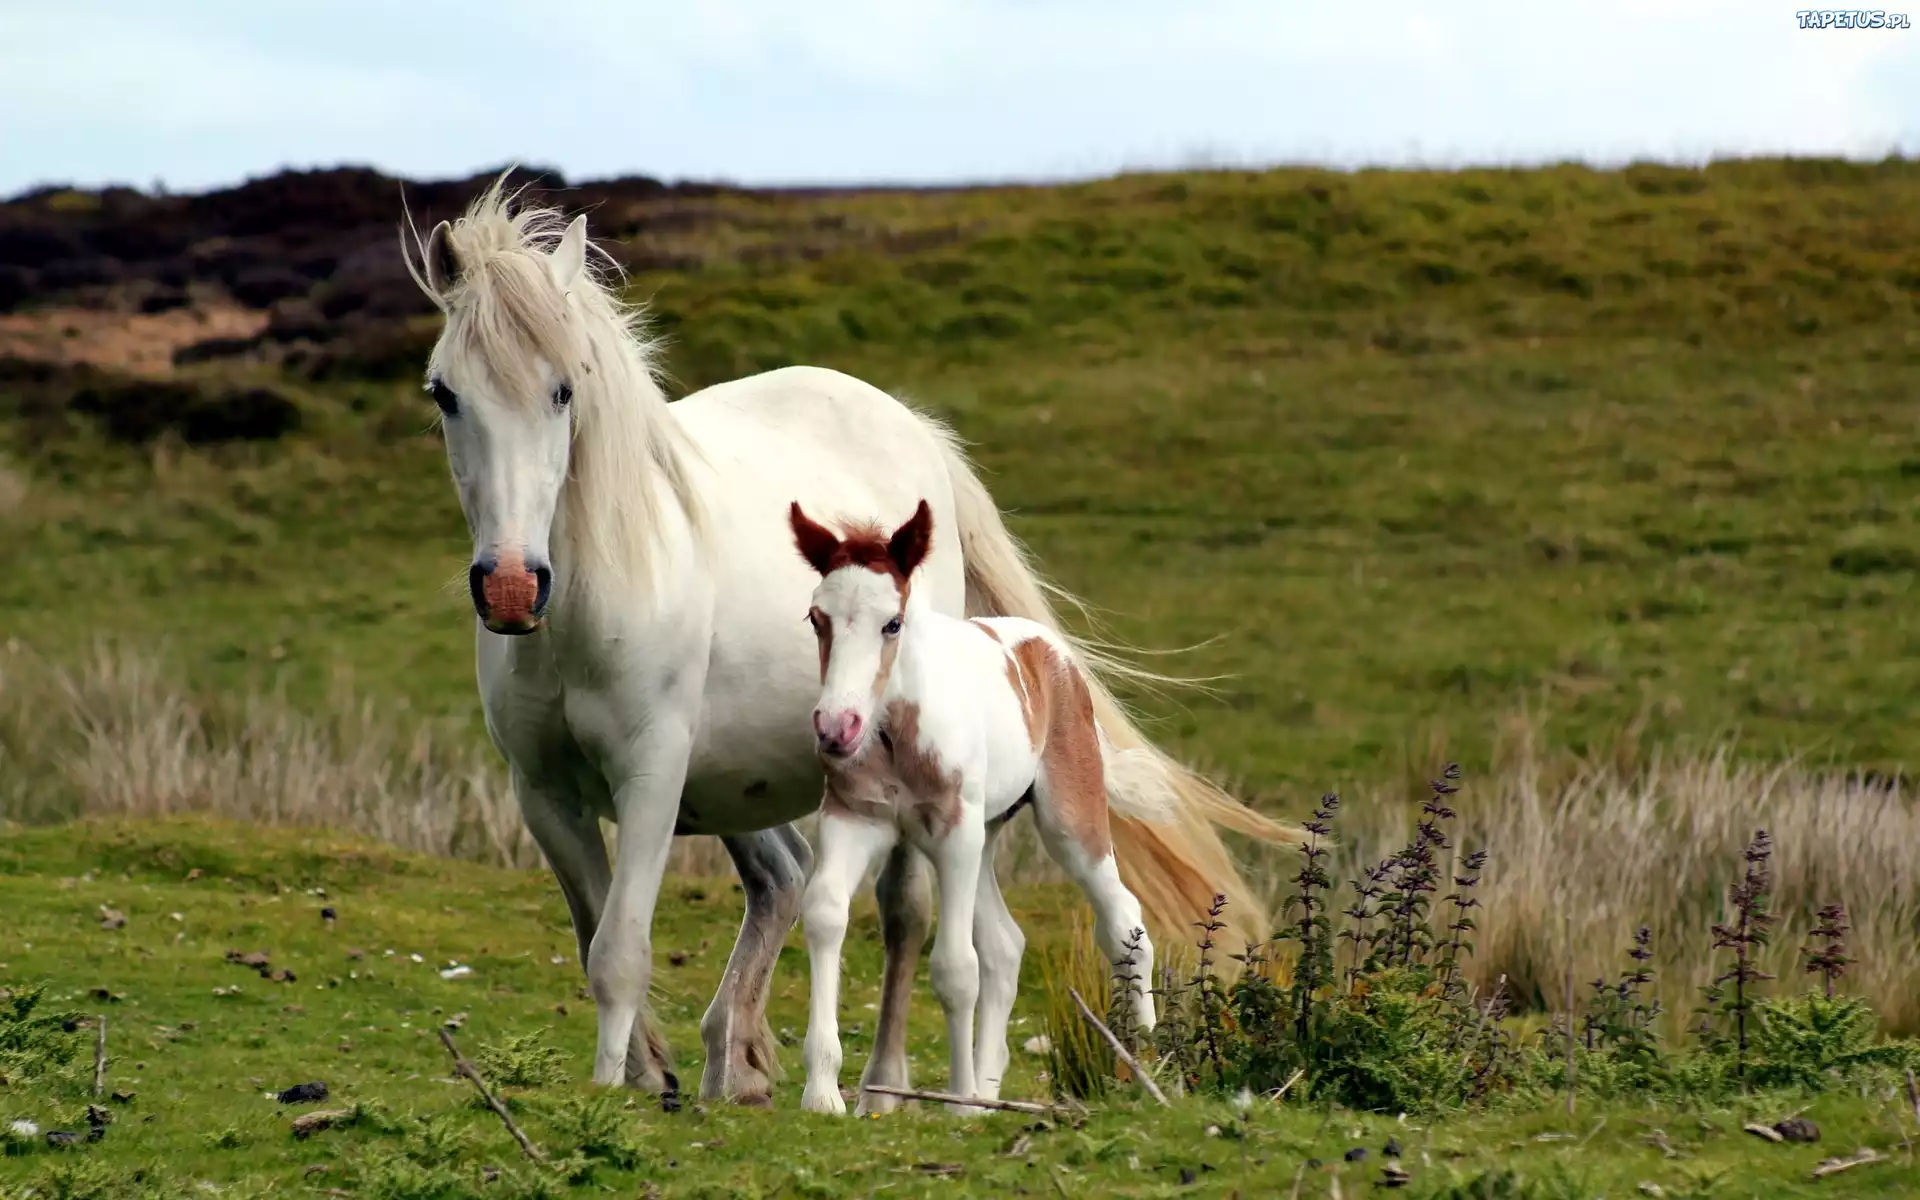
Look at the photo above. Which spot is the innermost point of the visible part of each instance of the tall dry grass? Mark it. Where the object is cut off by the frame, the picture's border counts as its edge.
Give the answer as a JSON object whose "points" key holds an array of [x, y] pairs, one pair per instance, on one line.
{"points": [[118, 735], [1605, 846]]}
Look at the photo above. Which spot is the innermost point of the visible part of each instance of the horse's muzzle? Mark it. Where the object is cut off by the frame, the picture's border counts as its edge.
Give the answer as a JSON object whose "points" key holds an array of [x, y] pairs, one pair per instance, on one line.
{"points": [[509, 596]]}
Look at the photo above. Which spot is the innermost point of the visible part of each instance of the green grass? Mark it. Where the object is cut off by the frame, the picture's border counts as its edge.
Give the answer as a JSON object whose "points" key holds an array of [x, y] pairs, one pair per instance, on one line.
{"points": [[1632, 449], [199, 1063]]}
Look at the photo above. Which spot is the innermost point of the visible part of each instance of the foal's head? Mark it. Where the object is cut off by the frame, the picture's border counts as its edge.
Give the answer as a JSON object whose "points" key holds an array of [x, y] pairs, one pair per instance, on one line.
{"points": [[858, 613]]}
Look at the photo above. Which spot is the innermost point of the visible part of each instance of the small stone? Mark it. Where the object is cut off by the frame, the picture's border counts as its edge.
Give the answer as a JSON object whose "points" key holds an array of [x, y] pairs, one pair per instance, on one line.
{"points": [[328, 915], [1187, 1176], [1394, 1175], [1392, 1148], [304, 1093], [61, 1137], [110, 918], [1357, 1154]]}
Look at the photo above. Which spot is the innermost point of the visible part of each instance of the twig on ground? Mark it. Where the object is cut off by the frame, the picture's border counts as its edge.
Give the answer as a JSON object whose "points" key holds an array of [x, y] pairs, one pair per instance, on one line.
{"points": [[1763, 1131], [100, 1055], [1019, 1106], [1119, 1051], [462, 1067], [1566, 926], [1859, 1158], [1276, 1097], [1299, 1173]]}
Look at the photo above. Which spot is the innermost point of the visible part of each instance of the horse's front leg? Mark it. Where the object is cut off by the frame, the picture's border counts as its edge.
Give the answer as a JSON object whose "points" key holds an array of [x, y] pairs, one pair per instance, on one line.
{"points": [[620, 961], [569, 837], [848, 845], [741, 1062], [906, 910]]}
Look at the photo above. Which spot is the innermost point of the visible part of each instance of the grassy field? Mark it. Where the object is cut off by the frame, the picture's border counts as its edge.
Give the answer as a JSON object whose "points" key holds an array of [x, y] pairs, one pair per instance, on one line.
{"points": [[1605, 484], [199, 1043], [1634, 450]]}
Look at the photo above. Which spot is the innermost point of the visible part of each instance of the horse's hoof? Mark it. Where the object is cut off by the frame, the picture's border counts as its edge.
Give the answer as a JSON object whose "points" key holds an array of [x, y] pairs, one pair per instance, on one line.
{"points": [[754, 1100]]}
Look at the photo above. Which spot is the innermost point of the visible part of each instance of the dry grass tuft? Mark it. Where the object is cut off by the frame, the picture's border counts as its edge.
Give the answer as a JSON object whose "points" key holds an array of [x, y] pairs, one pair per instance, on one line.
{"points": [[1610, 846]]}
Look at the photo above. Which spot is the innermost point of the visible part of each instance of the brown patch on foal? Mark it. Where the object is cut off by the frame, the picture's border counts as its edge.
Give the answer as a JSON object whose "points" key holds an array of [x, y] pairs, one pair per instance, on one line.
{"points": [[876, 786], [1059, 711]]}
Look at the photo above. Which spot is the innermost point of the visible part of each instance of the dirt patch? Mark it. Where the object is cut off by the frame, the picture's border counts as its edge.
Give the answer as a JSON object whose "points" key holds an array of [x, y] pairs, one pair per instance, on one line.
{"points": [[140, 344]]}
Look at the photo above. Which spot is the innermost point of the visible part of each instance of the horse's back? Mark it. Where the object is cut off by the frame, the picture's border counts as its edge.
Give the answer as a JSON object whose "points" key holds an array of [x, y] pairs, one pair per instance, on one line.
{"points": [[804, 410]]}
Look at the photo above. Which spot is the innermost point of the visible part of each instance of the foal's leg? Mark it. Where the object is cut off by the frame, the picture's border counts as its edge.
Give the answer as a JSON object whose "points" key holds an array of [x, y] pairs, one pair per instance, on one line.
{"points": [[906, 910], [956, 965], [740, 1057], [848, 845], [1072, 816], [1000, 944]]}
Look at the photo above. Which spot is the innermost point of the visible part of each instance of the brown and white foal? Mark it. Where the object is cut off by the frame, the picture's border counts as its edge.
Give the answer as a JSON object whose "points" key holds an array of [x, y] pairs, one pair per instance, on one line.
{"points": [[936, 730]]}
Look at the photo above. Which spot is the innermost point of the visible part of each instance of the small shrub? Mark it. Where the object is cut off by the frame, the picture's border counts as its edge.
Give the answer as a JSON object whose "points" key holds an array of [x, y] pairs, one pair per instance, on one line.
{"points": [[528, 1061], [33, 1041]]}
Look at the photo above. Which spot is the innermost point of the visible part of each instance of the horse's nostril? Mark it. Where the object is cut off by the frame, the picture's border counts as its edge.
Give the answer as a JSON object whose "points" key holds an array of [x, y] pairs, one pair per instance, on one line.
{"points": [[477, 585], [543, 588]]}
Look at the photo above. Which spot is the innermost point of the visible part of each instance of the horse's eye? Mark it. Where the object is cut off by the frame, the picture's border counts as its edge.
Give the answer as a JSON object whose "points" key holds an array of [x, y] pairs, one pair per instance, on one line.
{"points": [[444, 397], [891, 628], [562, 396]]}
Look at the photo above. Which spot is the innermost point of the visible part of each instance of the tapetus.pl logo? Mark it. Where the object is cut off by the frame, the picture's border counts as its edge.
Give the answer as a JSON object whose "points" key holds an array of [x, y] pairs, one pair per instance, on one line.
{"points": [[1849, 18]]}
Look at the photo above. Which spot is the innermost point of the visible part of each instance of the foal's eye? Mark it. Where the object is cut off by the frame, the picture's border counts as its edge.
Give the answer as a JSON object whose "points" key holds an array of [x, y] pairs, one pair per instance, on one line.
{"points": [[562, 395], [891, 628], [444, 397]]}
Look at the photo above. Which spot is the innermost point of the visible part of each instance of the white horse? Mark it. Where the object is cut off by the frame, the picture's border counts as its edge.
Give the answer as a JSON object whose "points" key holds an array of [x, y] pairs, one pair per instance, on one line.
{"points": [[935, 731], [645, 548]]}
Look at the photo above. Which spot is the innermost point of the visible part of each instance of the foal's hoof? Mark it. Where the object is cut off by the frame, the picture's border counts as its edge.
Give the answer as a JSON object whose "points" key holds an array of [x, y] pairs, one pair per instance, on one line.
{"points": [[823, 1100], [967, 1110]]}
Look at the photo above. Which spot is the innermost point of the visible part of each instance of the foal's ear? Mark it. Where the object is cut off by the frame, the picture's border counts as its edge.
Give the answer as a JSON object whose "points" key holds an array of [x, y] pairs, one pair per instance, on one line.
{"points": [[817, 543], [570, 256], [909, 543], [443, 271]]}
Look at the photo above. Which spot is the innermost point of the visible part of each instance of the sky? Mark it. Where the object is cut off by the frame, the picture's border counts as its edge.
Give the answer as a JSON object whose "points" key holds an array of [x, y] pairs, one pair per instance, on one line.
{"points": [[192, 94]]}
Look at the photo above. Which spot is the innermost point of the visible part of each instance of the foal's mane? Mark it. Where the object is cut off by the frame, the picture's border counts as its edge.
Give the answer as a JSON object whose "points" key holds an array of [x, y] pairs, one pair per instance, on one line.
{"points": [[629, 460]]}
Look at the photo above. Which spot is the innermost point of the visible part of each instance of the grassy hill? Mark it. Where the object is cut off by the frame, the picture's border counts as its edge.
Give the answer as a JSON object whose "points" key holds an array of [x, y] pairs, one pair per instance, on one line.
{"points": [[1634, 451]]}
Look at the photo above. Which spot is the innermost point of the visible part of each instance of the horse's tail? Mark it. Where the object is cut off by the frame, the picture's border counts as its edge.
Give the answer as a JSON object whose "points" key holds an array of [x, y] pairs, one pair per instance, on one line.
{"points": [[1163, 813]]}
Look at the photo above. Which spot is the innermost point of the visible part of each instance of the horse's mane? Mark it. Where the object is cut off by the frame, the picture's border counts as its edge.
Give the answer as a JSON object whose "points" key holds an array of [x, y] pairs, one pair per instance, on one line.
{"points": [[629, 458]]}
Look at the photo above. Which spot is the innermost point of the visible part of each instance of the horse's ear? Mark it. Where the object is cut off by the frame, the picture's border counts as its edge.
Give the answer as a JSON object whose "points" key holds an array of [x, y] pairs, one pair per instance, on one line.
{"points": [[909, 543], [570, 256], [443, 270], [817, 543]]}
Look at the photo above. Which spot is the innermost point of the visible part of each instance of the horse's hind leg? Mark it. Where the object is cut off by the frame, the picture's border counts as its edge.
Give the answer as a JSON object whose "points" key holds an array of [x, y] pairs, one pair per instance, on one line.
{"points": [[1000, 944], [905, 895], [741, 1062]]}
